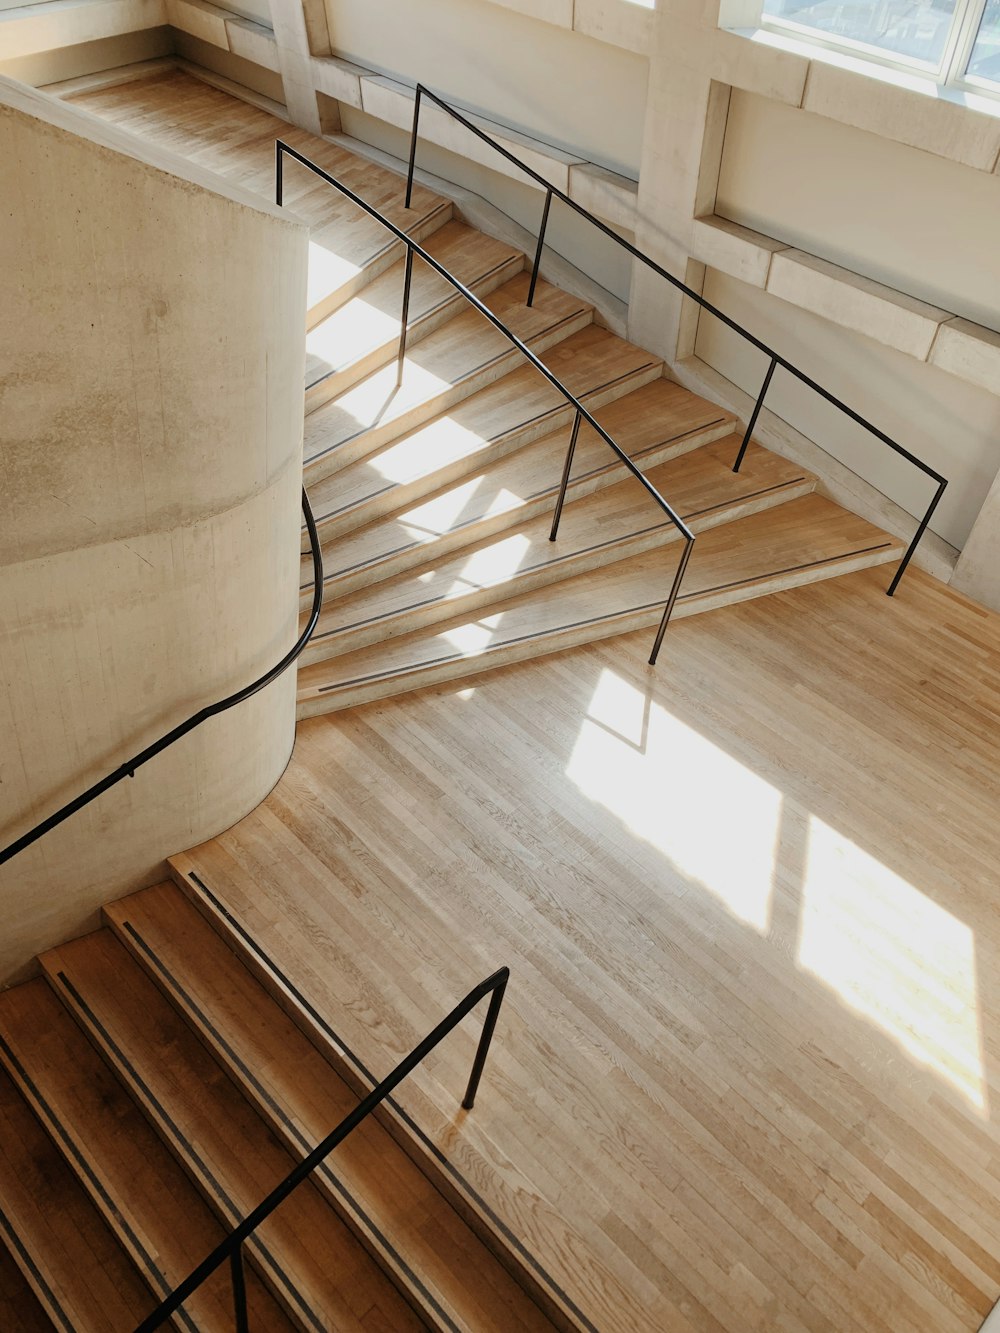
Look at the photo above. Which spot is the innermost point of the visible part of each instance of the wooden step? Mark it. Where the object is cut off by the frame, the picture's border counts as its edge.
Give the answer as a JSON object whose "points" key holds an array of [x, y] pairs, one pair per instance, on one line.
{"points": [[594, 365], [20, 1311], [320, 979], [347, 249], [464, 355], [79, 1275], [658, 421], [398, 1214], [800, 542], [597, 530], [363, 334], [157, 1216], [311, 1261]]}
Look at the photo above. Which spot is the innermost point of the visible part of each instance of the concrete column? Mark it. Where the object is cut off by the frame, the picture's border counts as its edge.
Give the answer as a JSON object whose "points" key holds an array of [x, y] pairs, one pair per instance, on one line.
{"points": [[300, 32], [150, 446]]}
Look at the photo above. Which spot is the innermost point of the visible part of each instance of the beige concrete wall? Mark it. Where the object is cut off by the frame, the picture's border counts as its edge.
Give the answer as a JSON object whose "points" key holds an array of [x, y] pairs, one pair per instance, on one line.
{"points": [[150, 445]]}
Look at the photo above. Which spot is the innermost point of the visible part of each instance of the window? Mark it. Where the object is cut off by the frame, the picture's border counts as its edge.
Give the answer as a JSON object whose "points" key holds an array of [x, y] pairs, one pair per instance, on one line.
{"points": [[953, 41]]}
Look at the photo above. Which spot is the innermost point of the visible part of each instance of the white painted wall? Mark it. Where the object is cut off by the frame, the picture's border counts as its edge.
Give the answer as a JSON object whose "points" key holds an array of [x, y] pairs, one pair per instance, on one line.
{"points": [[951, 425], [150, 446], [911, 219], [568, 234], [570, 90]]}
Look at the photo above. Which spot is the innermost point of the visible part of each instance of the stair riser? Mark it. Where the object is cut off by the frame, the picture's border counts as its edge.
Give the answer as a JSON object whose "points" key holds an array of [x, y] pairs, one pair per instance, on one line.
{"points": [[325, 305], [377, 437], [282, 1127], [171, 1135], [74, 1153], [339, 381], [419, 488], [462, 668], [414, 1145], [494, 524], [482, 598]]}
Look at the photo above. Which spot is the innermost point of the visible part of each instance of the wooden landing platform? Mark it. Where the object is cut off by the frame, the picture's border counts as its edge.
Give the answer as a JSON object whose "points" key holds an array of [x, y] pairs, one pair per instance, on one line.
{"points": [[747, 1075]]}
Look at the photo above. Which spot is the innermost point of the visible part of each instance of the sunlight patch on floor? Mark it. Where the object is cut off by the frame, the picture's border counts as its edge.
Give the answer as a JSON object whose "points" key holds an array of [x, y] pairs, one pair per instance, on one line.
{"points": [[715, 819], [474, 636], [327, 272], [350, 332], [447, 442], [445, 511], [894, 955], [494, 563]]}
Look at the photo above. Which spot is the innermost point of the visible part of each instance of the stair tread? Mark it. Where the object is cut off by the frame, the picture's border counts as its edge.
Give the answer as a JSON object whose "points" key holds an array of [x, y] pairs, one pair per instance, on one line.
{"points": [[777, 546], [391, 1197], [88, 1277], [370, 322], [20, 1311], [309, 1254], [700, 486], [442, 368], [643, 422], [236, 140], [591, 362], [160, 1218]]}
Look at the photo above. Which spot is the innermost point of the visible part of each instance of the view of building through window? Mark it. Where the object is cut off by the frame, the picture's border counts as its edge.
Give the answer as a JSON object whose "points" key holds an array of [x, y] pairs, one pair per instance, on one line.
{"points": [[935, 35]]}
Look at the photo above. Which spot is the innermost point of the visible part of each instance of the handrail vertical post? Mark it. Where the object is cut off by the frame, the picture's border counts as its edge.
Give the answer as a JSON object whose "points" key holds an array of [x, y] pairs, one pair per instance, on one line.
{"points": [[755, 415], [916, 538], [668, 609], [239, 1290], [278, 164], [408, 276], [541, 243], [567, 468], [485, 1037], [413, 146]]}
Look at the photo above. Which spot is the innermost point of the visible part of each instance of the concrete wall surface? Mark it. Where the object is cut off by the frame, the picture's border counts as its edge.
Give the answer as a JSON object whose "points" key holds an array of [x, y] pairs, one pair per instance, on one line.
{"points": [[150, 446]]}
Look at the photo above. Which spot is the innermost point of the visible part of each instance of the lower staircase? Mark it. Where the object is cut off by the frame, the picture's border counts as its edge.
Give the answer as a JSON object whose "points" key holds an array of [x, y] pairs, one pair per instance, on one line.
{"points": [[156, 1083]]}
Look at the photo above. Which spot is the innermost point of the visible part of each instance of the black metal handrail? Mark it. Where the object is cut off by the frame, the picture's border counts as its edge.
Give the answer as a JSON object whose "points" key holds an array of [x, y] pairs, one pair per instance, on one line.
{"points": [[231, 1248], [582, 414], [552, 191], [127, 770]]}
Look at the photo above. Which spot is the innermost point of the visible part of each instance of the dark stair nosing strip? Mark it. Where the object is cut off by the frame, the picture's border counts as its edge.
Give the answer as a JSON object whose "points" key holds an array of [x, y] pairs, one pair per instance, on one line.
{"points": [[50, 1303], [153, 1274], [464, 1185], [507, 352], [413, 324], [691, 517], [188, 1147], [523, 425], [185, 999], [527, 499], [593, 620]]}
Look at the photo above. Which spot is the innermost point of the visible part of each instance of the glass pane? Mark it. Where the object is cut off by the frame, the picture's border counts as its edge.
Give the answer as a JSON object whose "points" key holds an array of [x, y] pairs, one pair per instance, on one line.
{"points": [[914, 28], [985, 60]]}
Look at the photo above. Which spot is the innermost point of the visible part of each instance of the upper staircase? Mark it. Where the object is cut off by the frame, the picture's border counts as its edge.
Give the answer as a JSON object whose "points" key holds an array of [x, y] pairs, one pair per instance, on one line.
{"points": [[432, 480]]}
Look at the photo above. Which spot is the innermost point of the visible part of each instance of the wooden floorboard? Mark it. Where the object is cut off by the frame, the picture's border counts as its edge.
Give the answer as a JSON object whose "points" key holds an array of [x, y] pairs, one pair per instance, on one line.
{"points": [[747, 1072]]}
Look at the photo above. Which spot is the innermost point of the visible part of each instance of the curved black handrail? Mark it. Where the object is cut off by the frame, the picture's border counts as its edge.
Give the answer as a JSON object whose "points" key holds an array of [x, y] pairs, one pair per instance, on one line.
{"points": [[582, 414], [776, 358], [127, 770], [231, 1247]]}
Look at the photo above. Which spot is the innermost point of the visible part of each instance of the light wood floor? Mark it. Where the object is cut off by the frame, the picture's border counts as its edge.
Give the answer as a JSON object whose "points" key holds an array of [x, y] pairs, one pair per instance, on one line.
{"points": [[746, 1077]]}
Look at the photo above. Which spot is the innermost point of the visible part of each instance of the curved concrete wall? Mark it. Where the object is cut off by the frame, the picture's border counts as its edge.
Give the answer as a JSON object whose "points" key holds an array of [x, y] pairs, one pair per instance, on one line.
{"points": [[151, 369]]}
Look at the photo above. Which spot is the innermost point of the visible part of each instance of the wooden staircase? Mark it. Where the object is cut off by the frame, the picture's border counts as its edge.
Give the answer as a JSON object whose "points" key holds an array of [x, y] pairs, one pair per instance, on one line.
{"points": [[160, 1077], [433, 485], [156, 1083]]}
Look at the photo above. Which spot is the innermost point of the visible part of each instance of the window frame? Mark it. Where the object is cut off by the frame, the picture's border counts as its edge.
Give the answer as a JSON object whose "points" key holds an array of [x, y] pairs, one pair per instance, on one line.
{"points": [[951, 71]]}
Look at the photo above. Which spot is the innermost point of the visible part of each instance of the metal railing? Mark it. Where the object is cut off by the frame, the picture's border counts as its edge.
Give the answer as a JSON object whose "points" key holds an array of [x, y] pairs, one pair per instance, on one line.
{"points": [[776, 359], [582, 414], [127, 770], [231, 1248]]}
